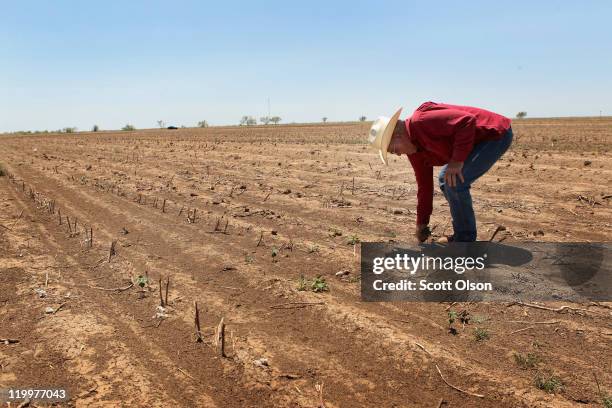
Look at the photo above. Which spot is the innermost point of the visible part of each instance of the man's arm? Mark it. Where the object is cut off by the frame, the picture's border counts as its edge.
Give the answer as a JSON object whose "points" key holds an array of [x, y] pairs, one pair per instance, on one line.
{"points": [[424, 177]]}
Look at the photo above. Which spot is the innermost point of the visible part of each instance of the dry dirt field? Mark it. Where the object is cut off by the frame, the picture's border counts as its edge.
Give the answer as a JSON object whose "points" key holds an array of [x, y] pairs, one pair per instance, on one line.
{"points": [[208, 208]]}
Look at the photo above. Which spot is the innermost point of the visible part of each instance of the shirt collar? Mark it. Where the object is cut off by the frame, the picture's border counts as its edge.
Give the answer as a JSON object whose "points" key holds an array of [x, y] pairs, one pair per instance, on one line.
{"points": [[411, 135]]}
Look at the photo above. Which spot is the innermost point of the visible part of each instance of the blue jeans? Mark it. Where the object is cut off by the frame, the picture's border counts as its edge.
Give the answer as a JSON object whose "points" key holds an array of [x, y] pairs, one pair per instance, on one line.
{"points": [[481, 159]]}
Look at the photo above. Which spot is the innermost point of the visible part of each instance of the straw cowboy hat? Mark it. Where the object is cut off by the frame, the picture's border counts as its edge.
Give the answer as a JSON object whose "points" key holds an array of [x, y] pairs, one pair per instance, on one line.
{"points": [[381, 132]]}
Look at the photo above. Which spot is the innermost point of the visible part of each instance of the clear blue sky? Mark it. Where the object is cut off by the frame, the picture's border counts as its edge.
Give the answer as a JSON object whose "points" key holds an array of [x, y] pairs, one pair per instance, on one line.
{"points": [[79, 63]]}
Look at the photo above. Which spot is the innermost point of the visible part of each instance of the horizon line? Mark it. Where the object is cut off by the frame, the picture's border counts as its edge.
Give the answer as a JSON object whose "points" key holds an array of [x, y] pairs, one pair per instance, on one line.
{"points": [[265, 125]]}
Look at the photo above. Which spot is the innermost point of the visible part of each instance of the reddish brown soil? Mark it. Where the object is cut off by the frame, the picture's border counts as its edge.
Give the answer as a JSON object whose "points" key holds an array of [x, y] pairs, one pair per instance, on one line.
{"points": [[297, 185]]}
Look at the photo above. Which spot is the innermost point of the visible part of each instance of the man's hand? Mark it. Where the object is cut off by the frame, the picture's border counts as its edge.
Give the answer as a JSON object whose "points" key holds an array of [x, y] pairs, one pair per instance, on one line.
{"points": [[422, 232], [453, 174]]}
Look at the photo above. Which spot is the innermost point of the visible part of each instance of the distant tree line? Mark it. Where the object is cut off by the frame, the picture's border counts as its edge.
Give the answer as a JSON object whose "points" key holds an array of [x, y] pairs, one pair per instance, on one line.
{"points": [[250, 120], [246, 120]]}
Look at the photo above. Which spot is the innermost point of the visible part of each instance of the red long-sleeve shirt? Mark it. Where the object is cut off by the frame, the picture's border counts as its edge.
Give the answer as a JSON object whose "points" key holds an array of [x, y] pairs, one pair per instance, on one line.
{"points": [[444, 133]]}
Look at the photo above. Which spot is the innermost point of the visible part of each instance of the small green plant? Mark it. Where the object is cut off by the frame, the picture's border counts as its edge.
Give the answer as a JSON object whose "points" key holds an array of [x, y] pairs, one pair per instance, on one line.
{"points": [[2, 171], [452, 317], [319, 285], [481, 334], [128, 128], [248, 259], [352, 240], [301, 286], [274, 254], [530, 360], [142, 281], [548, 383], [354, 279]]}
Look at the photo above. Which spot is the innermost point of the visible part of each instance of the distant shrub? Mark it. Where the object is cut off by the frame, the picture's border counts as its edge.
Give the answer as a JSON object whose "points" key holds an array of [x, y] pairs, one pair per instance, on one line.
{"points": [[203, 124], [95, 128], [128, 128], [275, 119], [521, 115], [248, 120], [362, 118], [69, 129]]}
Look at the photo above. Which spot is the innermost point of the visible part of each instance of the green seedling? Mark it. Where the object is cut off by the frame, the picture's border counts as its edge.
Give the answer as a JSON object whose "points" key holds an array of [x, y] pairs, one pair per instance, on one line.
{"points": [[142, 281], [352, 240], [548, 383], [274, 254], [301, 286], [248, 259], [452, 317], [481, 334], [354, 279], [530, 360], [319, 285]]}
